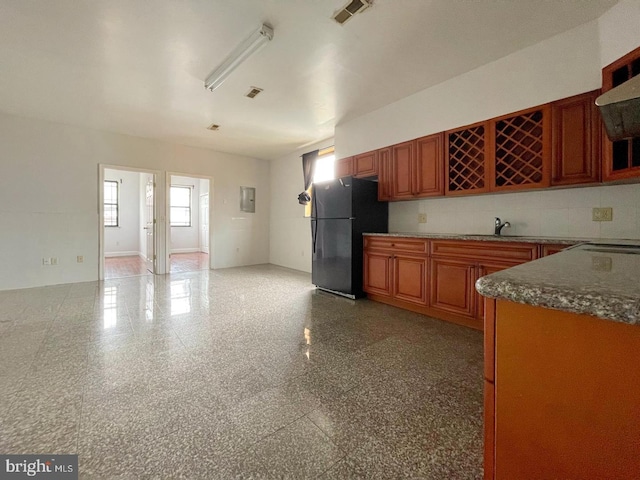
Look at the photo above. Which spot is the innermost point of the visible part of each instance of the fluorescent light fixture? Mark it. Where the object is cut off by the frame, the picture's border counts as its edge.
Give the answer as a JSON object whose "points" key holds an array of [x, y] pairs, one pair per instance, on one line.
{"points": [[243, 51]]}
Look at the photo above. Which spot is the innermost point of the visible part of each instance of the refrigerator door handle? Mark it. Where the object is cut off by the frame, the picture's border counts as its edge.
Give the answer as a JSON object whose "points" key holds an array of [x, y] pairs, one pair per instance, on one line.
{"points": [[315, 235]]}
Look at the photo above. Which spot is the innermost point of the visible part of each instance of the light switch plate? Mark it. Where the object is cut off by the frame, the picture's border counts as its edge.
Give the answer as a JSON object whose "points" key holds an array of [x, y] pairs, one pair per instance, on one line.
{"points": [[604, 214], [422, 218]]}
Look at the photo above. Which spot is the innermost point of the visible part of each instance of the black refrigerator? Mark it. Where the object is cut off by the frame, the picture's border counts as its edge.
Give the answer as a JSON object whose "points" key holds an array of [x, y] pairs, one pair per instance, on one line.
{"points": [[341, 211]]}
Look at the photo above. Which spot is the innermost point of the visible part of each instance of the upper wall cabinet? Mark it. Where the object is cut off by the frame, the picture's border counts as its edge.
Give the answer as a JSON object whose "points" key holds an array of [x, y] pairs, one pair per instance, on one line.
{"points": [[467, 170], [521, 147], [366, 164], [344, 167], [417, 168], [621, 158], [430, 166], [384, 174], [576, 140]]}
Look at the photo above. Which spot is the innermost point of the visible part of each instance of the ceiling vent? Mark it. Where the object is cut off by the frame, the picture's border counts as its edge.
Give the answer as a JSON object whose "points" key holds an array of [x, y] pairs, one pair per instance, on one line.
{"points": [[253, 93], [213, 127], [349, 10]]}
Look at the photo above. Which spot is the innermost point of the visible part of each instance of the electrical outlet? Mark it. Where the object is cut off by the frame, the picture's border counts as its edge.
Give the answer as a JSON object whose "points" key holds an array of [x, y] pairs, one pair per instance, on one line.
{"points": [[54, 260], [46, 261], [422, 218], [604, 214], [80, 258]]}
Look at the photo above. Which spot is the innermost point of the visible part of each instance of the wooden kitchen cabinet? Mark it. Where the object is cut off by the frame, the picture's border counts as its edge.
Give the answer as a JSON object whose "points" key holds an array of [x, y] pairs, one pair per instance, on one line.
{"points": [[429, 166], [576, 133], [455, 267], [377, 273], [402, 170], [417, 168], [521, 150], [621, 158], [565, 399], [366, 164], [452, 286], [437, 277], [467, 160], [410, 278], [344, 167], [396, 268], [384, 174], [547, 249]]}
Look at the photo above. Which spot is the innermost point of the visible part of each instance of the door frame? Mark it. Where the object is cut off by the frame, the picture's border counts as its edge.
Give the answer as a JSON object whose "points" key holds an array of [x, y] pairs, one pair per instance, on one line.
{"points": [[208, 217], [167, 236], [158, 212]]}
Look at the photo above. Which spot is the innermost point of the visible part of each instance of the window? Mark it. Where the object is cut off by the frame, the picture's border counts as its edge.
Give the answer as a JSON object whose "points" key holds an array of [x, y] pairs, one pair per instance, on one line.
{"points": [[111, 213], [324, 170], [180, 203], [325, 167]]}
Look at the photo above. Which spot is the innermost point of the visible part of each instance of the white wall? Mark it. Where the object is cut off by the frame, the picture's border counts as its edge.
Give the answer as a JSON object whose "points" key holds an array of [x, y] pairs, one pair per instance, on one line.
{"points": [[567, 64], [290, 237], [558, 67], [618, 29], [549, 213], [49, 198], [125, 238], [187, 239]]}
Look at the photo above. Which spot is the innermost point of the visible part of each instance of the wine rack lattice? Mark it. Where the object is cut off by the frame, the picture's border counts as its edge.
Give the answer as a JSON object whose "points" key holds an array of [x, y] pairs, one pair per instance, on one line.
{"points": [[466, 159], [519, 150]]}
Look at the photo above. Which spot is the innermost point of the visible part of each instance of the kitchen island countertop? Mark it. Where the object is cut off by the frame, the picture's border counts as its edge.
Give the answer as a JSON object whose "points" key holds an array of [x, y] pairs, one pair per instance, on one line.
{"points": [[600, 279]]}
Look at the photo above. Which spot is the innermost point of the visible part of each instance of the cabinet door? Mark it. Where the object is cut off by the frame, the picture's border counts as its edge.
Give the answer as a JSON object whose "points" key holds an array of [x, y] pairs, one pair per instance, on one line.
{"points": [[452, 286], [366, 164], [402, 160], [410, 279], [467, 160], [377, 273], [576, 140], [622, 157], [521, 145], [344, 167], [384, 174], [430, 166]]}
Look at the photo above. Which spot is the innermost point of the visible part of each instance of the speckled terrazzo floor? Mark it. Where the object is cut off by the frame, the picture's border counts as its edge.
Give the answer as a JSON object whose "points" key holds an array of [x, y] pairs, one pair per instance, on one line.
{"points": [[238, 373]]}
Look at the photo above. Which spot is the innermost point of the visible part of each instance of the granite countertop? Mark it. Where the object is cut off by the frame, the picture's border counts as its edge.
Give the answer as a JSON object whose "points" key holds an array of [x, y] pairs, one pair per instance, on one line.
{"points": [[486, 238], [594, 279]]}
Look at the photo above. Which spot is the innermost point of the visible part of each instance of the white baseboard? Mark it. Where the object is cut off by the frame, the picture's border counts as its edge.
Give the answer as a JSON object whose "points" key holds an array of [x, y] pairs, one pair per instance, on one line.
{"points": [[121, 254], [185, 250]]}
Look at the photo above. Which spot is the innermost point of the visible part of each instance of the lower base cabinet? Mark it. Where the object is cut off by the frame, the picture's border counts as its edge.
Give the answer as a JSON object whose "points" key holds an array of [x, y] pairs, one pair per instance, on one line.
{"points": [[565, 398], [398, 276], [452, 286], [437, 277]]}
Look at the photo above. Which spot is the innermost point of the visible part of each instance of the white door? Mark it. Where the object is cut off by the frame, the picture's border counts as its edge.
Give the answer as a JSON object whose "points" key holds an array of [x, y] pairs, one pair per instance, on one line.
{"points": [[204, 223], [150, 224]]}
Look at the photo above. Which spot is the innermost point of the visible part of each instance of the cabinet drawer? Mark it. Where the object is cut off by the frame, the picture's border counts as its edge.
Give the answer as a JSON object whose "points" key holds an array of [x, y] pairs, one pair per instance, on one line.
{"points": [[500, 251], [549, 249], [397, 244]]}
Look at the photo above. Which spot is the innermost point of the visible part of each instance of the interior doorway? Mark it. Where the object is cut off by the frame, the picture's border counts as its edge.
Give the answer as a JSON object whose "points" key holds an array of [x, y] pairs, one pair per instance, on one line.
{"points": [[189, 223], [128, 242]]}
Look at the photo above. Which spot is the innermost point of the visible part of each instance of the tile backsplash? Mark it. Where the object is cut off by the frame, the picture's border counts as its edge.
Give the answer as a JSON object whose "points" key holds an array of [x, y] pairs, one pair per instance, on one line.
{"points": [[547, 213]]}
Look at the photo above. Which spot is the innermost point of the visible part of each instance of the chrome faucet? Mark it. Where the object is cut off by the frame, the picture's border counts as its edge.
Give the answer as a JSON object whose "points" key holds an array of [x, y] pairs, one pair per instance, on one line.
{"points": [[500, 226]]}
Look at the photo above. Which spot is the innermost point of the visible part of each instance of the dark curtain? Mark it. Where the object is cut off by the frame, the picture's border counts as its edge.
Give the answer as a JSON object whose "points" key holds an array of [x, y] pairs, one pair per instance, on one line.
{"points": [[308, 168]]}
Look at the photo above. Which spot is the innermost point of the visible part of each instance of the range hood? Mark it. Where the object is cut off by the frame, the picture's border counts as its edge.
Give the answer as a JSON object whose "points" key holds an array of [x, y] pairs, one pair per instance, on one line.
{"points": [[620, 110]]}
